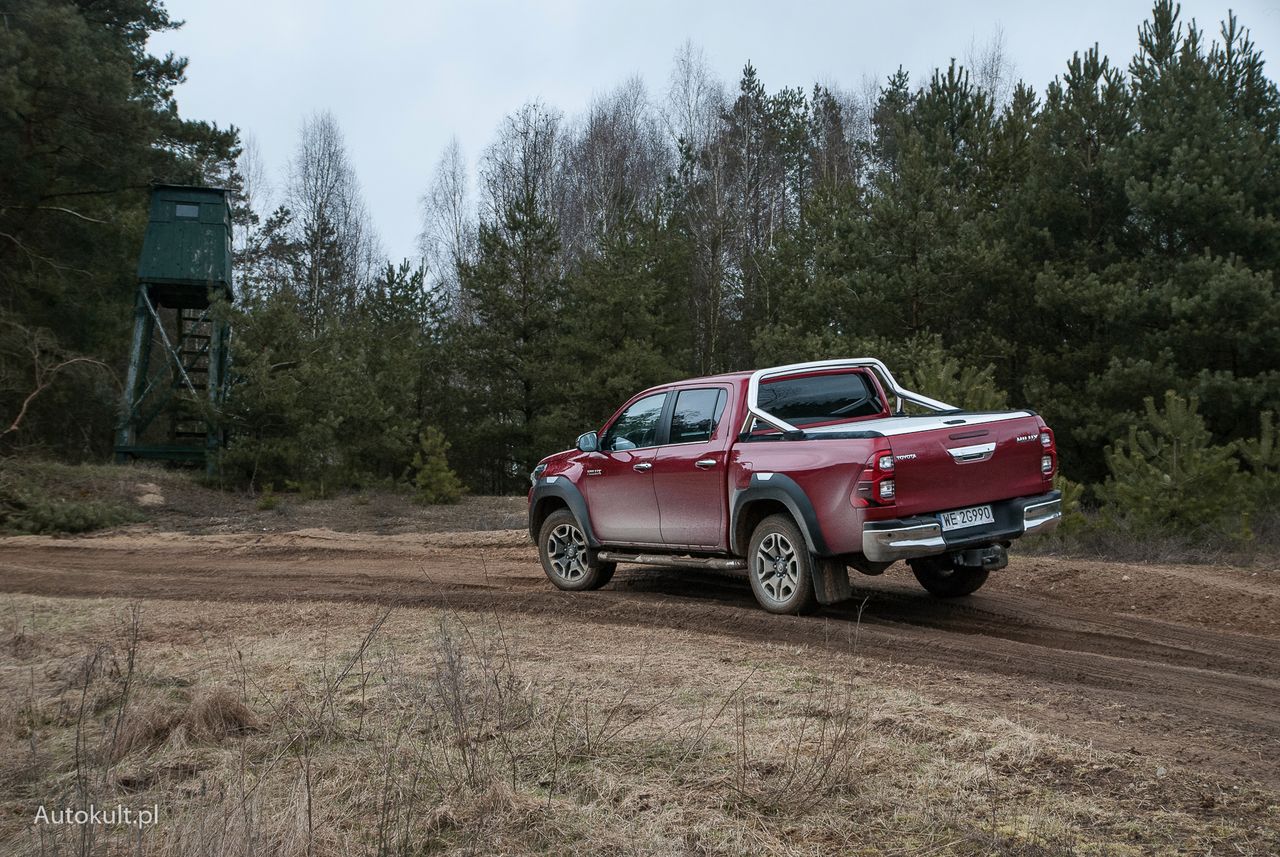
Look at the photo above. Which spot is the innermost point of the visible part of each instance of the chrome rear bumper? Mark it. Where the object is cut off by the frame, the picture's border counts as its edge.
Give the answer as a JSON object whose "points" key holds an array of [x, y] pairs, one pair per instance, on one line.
{"points": [[906, 542], [888, 541], [1042, 517]]}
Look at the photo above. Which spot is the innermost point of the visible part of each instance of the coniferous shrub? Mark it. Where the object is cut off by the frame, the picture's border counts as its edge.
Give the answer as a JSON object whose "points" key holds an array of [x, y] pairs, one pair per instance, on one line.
{"points": [[36, 511], [931, 369], [922, 363], [434, 482], [1169, 478], [1073, 517], [1261, 456]]}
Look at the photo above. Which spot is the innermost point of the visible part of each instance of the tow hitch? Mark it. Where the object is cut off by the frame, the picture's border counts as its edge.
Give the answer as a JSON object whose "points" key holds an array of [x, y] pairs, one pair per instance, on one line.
{"points": [[991, 557]]}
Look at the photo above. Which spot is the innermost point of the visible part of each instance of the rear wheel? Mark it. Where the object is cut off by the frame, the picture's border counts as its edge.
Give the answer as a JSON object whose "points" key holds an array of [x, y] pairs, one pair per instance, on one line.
{"points": [[566, 558], [944, 579], [781, 567]]}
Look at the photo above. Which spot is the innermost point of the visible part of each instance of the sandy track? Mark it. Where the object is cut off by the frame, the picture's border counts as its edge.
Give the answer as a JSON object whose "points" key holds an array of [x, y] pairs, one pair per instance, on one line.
{"points": [[1180, 662]]}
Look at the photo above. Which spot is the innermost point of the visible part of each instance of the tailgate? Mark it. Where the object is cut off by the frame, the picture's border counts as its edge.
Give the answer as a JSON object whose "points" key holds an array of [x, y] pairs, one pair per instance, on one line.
{"points": [[953, 461]]}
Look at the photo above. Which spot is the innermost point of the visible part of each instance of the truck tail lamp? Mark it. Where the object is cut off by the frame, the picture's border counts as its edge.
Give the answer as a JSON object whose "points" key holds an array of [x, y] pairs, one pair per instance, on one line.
{"points": [[876, 486], [1048, 454]]}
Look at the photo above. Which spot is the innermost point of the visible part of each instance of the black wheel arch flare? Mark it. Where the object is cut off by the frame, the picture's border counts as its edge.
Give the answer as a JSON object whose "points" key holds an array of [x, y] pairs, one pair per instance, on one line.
{"points": [[555, 494], [780, 488]]}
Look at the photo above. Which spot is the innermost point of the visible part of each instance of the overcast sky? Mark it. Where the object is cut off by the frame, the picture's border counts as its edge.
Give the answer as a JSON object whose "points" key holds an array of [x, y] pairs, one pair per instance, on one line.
{"points": [[403, 77]]}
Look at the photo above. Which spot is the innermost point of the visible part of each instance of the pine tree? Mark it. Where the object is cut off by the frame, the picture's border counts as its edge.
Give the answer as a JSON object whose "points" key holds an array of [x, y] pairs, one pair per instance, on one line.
{"points": [[514, 292], [434, 483], [1169, 477], [1261, 456], [88, 120], [629, 331]]}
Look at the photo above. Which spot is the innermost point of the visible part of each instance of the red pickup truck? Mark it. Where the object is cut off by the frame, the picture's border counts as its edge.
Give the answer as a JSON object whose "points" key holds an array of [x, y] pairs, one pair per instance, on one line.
{"points": [[795, 474]]}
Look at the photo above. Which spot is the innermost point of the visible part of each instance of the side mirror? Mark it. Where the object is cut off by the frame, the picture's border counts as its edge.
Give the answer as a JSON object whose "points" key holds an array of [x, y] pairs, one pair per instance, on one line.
{"points": [[589, 442]]}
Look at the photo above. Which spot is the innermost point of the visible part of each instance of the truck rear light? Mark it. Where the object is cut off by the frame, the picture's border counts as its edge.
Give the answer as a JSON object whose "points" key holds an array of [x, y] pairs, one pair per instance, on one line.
{"points": [[875, 486], [1049, 456]]}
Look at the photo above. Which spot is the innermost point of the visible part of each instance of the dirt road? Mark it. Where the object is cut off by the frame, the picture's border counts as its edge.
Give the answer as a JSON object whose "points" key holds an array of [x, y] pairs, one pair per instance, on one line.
{"points": [[1180, 662]]}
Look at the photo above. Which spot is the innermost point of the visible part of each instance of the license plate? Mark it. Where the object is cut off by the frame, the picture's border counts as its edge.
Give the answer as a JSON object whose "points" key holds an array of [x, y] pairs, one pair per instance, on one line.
{"points": [[962, 518]]}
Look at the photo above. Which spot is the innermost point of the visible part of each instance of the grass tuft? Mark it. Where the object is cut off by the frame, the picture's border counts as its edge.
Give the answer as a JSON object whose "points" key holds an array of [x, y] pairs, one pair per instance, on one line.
{"points": [[217, 715]]}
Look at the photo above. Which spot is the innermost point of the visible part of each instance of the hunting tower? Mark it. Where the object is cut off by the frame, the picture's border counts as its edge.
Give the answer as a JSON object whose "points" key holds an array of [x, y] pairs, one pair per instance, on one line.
{"points": [[178, 361]]}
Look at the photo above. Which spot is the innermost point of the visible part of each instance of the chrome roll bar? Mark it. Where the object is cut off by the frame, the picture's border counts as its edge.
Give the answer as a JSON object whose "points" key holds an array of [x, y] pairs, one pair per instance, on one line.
{"points": [[891, 386]]}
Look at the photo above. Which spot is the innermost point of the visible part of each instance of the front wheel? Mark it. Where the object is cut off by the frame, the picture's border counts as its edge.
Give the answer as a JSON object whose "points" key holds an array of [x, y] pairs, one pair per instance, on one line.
{"points": [[570, 565], [781, 567], [942, 578]]}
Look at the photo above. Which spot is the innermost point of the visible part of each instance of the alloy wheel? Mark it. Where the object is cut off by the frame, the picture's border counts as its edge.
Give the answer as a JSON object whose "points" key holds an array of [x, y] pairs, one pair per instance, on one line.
{"points": [[777, 567], [567, 552]]}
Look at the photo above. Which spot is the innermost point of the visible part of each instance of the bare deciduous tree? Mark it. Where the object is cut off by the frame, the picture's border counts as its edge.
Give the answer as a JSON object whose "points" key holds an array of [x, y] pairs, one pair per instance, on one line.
{"points": [[695, 98], [448, 235], [340, 252], [616, 163], [255, 188], [991, 67], [524, 164], [694, 115]]}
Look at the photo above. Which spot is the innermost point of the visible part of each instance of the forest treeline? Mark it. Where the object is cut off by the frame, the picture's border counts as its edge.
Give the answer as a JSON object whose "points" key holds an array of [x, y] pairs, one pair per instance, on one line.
{"points": [[1103, 250]]}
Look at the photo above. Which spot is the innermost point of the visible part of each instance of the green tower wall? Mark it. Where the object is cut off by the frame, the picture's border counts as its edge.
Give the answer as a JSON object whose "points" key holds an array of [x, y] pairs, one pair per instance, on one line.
{"points": [[187, 246]]}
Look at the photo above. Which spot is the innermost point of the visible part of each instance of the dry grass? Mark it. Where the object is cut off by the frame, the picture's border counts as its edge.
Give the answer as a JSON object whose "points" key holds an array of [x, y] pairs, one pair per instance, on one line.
{"points": [[219, 714], [323, 729]]}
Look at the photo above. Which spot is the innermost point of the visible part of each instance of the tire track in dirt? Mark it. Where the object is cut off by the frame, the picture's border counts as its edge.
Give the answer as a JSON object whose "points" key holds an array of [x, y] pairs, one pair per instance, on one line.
{"points": [[1201, 695]]}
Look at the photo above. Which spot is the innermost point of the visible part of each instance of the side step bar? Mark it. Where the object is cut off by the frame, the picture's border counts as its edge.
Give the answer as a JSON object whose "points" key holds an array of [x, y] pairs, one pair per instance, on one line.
{"points": [[665, 559]]}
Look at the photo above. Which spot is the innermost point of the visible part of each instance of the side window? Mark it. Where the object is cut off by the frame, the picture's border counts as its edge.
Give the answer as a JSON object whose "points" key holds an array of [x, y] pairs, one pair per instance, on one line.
{"points": [[637, 426], [696, 414]]}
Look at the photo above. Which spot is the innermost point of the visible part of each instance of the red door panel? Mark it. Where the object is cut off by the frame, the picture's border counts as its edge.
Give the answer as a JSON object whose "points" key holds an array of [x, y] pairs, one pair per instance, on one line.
{"points": [[690, 485], [690, 472], [618, 480], [620, 497]]}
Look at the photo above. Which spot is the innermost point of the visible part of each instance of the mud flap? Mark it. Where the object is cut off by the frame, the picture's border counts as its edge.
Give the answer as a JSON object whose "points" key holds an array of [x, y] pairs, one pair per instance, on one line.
{"points": [[831, 581]]}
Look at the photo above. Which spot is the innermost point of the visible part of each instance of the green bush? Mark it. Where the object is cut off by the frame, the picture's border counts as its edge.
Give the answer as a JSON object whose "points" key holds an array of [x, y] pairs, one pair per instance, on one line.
{"points": [[1073, 517], [923, 364], [268, 501], [939, 375], [1169, 478], [1261, 456], [330, 406], [434, 482], [28, 510]]}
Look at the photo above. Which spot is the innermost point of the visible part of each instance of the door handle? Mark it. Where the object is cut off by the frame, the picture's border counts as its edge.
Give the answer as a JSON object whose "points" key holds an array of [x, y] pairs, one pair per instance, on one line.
{"points": [[704, 463], [642, 466]]}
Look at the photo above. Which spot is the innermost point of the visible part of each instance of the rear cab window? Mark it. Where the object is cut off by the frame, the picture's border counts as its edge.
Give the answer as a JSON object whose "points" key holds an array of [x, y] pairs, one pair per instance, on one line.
{"points": [[807, 401], [696, 414]]}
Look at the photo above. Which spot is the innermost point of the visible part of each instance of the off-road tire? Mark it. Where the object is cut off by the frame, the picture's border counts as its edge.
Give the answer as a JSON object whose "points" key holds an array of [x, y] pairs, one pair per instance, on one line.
{"points": [[944, 579], [566, 559], [780, 567]]}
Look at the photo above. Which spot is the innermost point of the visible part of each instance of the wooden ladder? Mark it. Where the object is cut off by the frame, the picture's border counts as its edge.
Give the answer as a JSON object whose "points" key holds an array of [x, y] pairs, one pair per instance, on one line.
{"points": [[186, 416]]}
